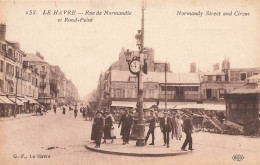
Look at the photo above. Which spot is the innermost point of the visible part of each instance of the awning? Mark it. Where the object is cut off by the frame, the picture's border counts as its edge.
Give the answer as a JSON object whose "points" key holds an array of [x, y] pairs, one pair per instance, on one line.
{"points": [[147, 105], [123, 104], [23, 99], [5, 100], [206, 107], [31, 101], [182, 85], [18, 102], [171, 105]]}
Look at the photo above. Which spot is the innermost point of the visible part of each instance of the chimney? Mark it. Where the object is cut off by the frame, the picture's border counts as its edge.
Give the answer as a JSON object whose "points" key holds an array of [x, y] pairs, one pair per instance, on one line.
{"points": [[39, 55], [2, 32], [216, 67], [193, 67]]}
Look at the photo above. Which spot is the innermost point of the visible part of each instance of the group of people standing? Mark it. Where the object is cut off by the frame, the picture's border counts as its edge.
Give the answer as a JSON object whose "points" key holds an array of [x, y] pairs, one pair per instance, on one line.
{"points": [[167, 124]]}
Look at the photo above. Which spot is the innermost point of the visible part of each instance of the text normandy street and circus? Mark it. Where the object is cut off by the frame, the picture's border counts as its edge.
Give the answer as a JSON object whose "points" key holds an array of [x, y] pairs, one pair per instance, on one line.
{"points": [[87, 15]]}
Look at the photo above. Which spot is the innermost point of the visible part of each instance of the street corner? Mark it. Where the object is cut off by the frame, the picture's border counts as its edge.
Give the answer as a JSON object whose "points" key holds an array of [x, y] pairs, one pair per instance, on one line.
{"points": [[131, 149]]}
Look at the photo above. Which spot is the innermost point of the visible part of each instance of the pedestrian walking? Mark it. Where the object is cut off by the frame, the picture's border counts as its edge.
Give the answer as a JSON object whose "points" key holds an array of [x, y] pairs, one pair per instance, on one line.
{"points": [[152, 126], [98, 124], [127, 121], [179, 124], [166, 126], [75, 112], [108, 127], [187, 128], [64, 110], [174, 126], [84, 112], [54, 108]]}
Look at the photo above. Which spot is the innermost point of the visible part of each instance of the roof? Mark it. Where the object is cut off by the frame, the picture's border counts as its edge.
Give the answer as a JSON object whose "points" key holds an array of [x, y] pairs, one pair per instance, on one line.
{"points": [[214, 73], [249, 88], [159, 77], [32, 57]]}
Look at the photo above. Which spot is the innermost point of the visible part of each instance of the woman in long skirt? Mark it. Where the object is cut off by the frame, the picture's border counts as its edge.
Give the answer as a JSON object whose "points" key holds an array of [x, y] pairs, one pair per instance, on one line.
{"points": [[108, 128], [179, 123]]}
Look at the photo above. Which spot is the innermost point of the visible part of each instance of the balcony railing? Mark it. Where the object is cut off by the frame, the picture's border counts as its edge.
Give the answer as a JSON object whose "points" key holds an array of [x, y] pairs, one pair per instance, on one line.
{"points": [[43, 84], [43, 74]]}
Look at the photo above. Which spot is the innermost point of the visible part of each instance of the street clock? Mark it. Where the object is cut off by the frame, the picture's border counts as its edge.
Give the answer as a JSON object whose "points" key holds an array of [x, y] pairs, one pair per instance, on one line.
{"points": [[134, 66]]}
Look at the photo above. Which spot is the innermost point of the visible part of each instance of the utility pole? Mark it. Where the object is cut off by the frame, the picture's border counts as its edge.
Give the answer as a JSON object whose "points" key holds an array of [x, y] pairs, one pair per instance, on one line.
{"points": [[165, 86]]}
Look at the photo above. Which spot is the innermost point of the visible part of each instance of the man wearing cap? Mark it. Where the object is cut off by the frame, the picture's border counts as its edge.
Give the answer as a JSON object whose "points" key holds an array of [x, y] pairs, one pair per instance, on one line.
{"points": [[152, 126], [99, 124], [166, 126], [187, 128], [127, 121]]}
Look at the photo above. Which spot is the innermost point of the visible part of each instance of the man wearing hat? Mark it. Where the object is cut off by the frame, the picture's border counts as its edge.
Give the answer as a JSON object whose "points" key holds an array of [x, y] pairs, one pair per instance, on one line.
{"points": [[152, 126], [166, 127], [127, 122], [99, 125], [188, 128]]}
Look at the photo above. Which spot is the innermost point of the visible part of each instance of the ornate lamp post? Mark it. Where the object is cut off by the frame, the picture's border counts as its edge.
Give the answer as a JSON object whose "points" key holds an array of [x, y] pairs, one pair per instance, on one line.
{"points": [[135, 67]]}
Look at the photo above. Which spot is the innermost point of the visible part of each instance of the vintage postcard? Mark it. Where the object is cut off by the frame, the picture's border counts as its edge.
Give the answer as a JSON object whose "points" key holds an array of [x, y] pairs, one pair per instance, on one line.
{"points": [[129, 82]]}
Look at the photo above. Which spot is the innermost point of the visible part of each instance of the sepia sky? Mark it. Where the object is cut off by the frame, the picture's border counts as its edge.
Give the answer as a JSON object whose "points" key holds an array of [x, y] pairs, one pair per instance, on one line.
{"points": [[85, 49]]}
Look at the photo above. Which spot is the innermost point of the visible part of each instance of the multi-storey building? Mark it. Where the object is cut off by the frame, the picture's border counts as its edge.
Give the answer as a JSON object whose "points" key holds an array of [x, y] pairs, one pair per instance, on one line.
{"points": [[41, 67], [121, 86], [14, 78]]}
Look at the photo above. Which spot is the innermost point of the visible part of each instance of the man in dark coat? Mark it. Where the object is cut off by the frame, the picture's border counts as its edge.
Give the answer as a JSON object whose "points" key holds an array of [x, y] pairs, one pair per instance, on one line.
{"points": [[99, 124], [127, 122], [166, 126], [152, 126], [188, 128]]}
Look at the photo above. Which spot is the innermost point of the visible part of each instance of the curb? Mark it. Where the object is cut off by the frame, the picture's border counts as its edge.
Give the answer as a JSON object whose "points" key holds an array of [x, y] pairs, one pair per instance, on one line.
{"points": [[136, 154]]}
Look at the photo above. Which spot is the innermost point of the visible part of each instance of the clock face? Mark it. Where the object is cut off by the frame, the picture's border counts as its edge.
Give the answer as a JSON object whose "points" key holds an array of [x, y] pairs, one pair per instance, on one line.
{"points": [[135, 66]]}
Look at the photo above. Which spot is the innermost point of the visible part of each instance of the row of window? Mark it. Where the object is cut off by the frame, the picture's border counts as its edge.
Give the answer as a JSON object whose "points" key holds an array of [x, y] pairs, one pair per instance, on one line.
{"points": [[9, 88], [12, 52], [132, 93], [19, 72]]}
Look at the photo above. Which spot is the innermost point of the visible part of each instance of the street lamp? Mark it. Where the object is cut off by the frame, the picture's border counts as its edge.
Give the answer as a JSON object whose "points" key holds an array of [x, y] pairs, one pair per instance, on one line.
{"points": [[136, 67]]}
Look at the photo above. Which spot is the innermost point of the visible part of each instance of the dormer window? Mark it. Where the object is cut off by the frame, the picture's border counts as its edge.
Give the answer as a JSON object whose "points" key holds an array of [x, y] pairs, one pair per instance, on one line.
{"points": [[4, 47], [10, 52]]}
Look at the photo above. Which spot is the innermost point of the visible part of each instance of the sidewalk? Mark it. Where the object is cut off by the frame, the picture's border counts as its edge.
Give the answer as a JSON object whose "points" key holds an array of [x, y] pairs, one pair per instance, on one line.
{"points": [[117, 148], [18, 116]]}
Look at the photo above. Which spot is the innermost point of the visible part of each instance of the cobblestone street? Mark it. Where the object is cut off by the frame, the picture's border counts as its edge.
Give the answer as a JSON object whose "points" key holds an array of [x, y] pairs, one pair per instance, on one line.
{"points": [[63, 138]]}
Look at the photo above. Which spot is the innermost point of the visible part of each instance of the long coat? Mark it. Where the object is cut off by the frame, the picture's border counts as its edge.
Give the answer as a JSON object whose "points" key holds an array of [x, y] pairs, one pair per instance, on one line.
{"points": [[166, 127], [126, 122], [97, 128], [187, 125], [152, 123], [108, 126]]}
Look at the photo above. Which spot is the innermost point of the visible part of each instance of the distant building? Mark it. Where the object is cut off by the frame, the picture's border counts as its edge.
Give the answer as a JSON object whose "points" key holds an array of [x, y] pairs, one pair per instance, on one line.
{"points": [[216, 84]]}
